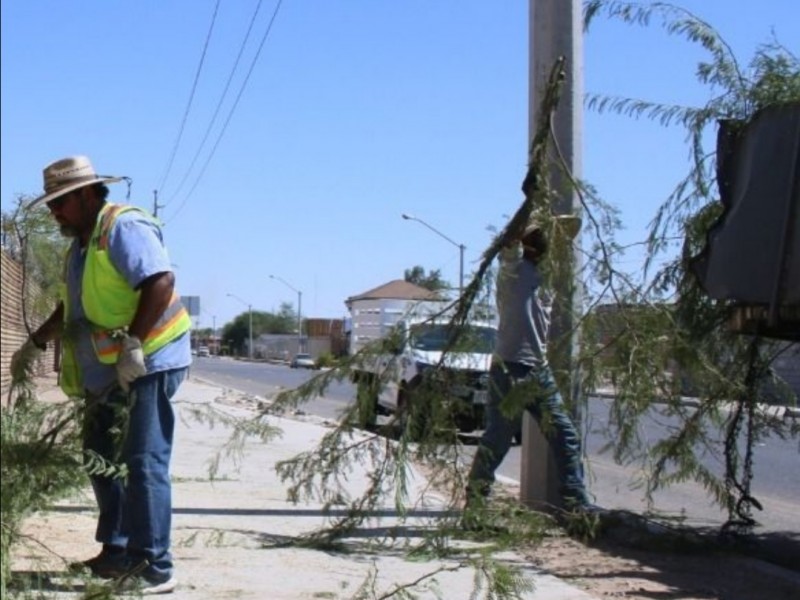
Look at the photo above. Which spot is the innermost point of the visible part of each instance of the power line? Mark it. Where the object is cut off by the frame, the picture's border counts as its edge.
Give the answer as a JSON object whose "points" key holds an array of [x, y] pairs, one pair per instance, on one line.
{"points": [[232, 110], [191, 98], [221, 99]]}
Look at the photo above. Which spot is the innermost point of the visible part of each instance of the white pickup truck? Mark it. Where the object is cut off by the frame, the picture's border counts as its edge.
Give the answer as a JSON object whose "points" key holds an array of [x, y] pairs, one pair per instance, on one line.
{"points": [[413, 361]]}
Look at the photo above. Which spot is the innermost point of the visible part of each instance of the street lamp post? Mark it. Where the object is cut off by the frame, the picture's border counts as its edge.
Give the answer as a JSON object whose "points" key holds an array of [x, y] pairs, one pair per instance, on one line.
{"points": [[250, 316], [461, 248], [299, 310]]}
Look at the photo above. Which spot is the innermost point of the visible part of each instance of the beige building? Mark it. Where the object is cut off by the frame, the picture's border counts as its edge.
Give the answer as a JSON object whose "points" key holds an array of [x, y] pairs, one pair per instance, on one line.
{"points": [[374, 312]]}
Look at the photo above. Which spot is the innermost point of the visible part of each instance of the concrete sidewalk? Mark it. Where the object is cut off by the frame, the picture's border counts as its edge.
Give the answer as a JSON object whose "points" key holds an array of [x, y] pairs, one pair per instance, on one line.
{"points": [[232, 537]]}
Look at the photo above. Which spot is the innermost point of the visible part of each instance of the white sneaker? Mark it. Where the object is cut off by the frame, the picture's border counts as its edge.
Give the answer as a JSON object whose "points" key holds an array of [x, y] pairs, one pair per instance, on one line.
{"points": [[146, 587]]}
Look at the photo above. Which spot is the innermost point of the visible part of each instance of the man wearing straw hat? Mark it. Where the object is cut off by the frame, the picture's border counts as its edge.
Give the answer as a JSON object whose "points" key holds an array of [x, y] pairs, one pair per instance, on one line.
{"points": [[126, 350]]}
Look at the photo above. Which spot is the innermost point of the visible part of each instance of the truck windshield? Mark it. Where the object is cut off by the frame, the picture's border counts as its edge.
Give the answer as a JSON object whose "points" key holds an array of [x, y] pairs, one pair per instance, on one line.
{"points": [[431, 337]]}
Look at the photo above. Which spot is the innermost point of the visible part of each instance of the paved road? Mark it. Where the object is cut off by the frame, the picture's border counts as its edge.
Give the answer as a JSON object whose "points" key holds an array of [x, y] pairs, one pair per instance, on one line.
{"points": [[777, 462]]}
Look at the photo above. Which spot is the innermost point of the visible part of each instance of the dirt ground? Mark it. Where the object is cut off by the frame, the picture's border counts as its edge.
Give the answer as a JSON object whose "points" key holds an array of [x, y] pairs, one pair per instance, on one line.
{"points": [[634, 558], [618, 564], [606, 570], [614, 568]]}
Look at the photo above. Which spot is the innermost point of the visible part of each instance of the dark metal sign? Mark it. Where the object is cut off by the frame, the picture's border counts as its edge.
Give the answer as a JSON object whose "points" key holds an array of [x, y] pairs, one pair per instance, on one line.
{"points": [[752, 255]]}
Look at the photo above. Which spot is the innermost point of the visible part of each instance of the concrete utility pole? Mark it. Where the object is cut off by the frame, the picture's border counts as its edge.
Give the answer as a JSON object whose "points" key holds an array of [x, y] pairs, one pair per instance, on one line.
{"points": [[556, 30], [156, 205]]}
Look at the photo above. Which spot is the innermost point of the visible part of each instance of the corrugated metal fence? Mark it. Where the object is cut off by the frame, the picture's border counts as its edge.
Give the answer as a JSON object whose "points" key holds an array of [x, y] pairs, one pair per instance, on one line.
{"points": [[12, 327]]}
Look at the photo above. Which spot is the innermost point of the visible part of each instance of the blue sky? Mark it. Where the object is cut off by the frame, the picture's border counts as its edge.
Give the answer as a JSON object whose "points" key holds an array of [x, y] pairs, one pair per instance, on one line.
{"points": [[355, 112]]}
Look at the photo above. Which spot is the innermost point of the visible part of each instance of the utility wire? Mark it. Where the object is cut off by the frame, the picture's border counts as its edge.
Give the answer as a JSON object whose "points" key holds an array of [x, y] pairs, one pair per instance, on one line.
{"points": [[191, 98], [233, 109], [219, 104]]}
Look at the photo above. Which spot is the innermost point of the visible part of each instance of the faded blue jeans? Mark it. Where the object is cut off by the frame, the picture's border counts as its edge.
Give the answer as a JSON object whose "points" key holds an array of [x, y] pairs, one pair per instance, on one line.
{"points": [[136, 429], [539, 395]]}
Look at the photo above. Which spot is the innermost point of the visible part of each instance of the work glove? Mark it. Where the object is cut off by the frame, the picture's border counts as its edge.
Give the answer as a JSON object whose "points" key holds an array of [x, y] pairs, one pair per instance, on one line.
{"points": [[23, 359], [130, 364]]}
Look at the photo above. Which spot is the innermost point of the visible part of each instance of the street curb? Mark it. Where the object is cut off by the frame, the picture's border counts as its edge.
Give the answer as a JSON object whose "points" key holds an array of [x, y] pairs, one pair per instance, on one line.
{"points": [[784, 412]]}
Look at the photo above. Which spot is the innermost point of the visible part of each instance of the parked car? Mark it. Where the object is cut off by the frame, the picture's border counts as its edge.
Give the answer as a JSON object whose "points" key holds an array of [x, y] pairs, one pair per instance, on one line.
{"points": [[302, 360], [415, 345], [203, 351]]}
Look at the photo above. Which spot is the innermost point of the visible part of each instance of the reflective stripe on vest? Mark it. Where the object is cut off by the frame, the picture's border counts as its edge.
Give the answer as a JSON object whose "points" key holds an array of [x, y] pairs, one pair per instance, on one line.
{"points": [[107, 343]]}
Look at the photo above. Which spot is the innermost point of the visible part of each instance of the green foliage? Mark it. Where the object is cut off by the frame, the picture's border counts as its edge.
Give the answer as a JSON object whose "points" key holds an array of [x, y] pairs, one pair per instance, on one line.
{"points": [[326, 359], [432, 280], [655, 337], [40, 463], [33, 238], [284, 321], [40, 456], [772, 77], [663, 337], [235, 335], [423, 431]]}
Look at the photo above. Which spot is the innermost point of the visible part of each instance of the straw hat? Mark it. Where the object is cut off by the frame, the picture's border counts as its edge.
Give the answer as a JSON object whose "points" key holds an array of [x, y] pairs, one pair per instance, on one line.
{"points": [[67, 175]]}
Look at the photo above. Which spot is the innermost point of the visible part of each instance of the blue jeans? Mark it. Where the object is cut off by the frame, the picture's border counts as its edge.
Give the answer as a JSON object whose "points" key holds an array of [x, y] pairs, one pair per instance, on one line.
{"points": [[538, 394], [136, 429]]}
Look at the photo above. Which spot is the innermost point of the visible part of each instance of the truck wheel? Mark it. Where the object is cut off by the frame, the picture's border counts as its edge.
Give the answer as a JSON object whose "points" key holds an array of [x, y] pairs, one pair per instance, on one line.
{"points": [[367, 401]]}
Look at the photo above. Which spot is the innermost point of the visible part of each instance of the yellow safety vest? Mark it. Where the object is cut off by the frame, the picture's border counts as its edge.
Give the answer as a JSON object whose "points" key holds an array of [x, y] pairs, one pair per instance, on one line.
{"points": [[110, 304]]}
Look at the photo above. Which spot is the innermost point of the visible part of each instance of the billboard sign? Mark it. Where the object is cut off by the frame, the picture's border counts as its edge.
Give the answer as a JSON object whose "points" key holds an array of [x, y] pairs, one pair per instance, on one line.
{"points": [[192, 304]]}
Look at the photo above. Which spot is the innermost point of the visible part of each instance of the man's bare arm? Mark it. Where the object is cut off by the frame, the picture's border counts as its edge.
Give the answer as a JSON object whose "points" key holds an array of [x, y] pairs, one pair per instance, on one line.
{"points": [[51, 328]]}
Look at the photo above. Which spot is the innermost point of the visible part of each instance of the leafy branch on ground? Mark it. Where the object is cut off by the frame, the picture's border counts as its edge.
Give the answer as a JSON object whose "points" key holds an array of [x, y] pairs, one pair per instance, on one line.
{"points": [[653, 335]]}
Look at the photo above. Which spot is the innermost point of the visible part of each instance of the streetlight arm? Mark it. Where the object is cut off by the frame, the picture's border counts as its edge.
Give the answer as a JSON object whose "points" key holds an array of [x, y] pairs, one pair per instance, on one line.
{"points": [[433, 229], [239, 299], [461, 248], [286, 283]]}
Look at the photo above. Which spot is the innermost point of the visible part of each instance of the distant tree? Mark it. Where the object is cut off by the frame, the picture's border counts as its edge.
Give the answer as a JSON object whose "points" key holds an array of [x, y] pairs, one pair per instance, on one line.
{"points": [[284, 321], [32, 237], [236, 334], [431, 281]]}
